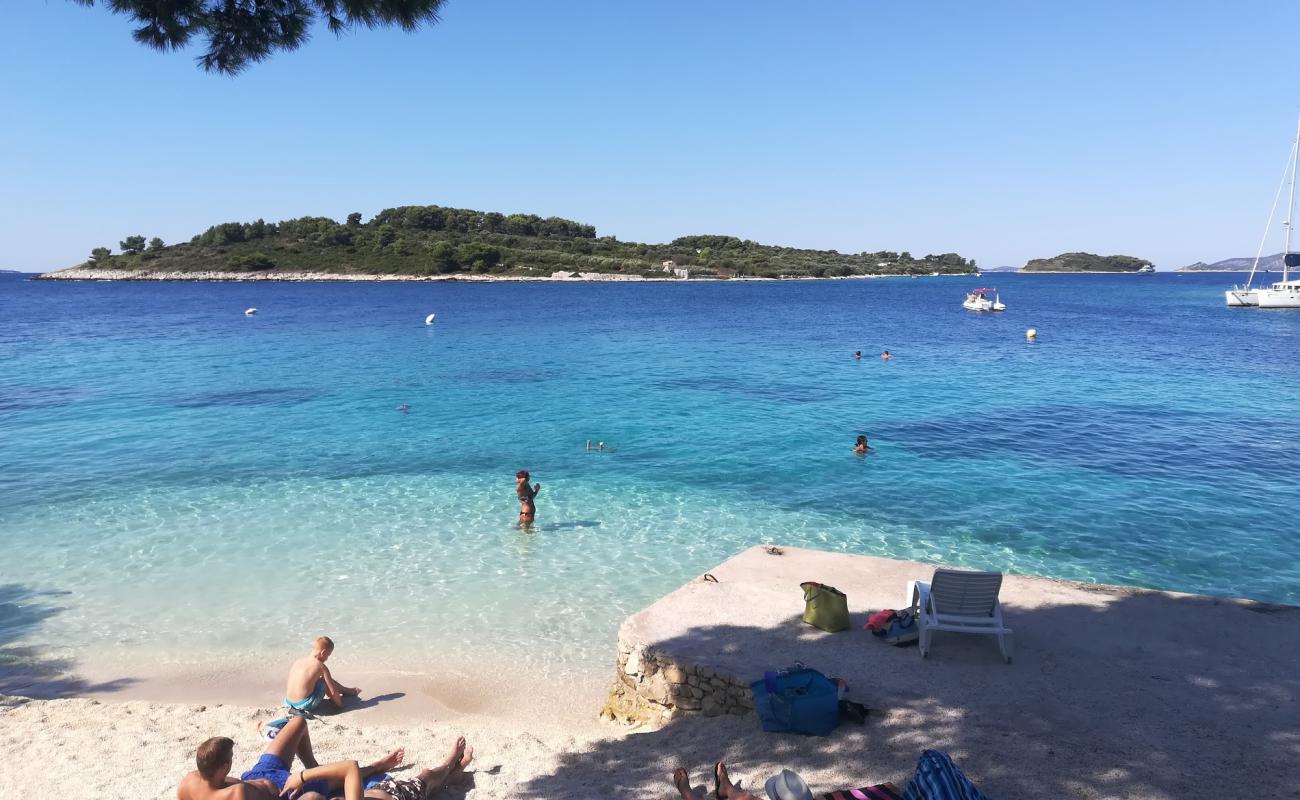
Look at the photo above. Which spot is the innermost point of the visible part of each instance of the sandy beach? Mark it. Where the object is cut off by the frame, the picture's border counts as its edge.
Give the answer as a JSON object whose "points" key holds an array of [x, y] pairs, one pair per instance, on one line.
{"points": [[1113, 693]]}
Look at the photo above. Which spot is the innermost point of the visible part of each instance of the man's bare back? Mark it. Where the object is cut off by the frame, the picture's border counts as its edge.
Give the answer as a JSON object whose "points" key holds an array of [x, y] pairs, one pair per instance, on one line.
{"points": [[194, 787]]}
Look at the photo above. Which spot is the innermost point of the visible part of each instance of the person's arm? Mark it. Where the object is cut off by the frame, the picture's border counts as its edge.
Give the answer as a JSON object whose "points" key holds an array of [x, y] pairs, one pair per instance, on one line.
{"points": [[537, 487], [347, 772], [332, 687]]}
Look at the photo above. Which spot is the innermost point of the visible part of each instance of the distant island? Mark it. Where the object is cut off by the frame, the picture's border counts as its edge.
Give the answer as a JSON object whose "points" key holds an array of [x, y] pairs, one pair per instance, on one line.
{"points": [[1271, 263], [1088, 262], [423, 242], [12, 272]]}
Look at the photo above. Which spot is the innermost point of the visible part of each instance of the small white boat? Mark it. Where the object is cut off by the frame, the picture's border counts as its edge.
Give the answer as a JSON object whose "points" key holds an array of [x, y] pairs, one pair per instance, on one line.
{"points": [[1148, 269], [978, 300], [1285, 293]]}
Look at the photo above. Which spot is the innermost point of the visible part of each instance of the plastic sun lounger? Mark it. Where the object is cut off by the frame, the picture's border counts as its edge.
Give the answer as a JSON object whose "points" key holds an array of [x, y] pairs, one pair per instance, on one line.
{"points": [[961, 602]]}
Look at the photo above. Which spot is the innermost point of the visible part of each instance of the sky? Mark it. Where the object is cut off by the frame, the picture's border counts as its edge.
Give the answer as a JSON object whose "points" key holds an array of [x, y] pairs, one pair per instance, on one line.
{"points": [[1000, 130]]}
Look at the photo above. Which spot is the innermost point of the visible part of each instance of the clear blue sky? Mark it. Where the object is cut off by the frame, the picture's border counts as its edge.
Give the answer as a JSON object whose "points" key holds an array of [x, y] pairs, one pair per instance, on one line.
{"points": [[1000, 130]]}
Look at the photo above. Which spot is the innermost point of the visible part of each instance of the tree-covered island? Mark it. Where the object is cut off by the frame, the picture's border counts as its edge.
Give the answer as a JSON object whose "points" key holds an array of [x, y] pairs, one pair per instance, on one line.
{"points": [[418, 241], [1087, 262]]}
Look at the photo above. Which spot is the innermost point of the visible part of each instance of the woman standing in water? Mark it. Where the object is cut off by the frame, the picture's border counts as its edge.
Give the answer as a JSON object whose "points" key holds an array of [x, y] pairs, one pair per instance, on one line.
{"points": [[526, 493]]}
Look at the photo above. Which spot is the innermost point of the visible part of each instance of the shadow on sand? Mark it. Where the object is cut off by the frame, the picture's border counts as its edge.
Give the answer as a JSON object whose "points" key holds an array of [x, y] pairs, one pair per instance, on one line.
{"points": [[1148, 695], [28, 670]]}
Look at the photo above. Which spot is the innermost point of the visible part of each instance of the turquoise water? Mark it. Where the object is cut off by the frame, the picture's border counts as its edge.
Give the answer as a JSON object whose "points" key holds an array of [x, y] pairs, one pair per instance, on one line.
{"points": [[173, 472]]}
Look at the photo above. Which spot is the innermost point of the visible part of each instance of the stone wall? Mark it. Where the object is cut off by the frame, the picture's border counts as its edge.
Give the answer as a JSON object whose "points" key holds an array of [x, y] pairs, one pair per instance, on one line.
{"points": [[651, 687]]}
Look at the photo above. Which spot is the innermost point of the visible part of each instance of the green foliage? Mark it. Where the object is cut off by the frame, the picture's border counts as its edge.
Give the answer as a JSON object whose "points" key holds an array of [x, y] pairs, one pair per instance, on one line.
{"points": [[156, 244], [100, 254], [243, 32], [132, 245], [423, 240], [477, 257], [1085, 262], [251, 262]]}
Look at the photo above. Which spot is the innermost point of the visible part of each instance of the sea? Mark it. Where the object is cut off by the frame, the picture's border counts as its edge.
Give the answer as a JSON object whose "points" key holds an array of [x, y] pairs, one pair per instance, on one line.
{"points": [[177, 476]]}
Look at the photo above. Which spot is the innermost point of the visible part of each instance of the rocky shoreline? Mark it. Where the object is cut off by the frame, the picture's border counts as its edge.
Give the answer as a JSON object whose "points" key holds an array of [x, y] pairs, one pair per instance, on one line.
{"points": [[91, 274]]}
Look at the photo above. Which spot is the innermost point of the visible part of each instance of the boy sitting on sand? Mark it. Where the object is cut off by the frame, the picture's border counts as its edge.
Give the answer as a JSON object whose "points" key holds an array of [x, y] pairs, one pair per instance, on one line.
{"points": [[310, 681]]}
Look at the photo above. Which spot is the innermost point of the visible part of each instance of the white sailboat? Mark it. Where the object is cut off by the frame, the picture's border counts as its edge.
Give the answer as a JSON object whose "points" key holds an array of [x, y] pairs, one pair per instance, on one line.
{"points": [[1285, 293]]}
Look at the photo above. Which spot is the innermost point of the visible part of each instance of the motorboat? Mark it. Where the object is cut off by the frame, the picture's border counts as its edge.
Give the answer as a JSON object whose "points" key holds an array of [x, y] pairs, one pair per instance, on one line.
{"points": [[1285, 293], [978, 300]]}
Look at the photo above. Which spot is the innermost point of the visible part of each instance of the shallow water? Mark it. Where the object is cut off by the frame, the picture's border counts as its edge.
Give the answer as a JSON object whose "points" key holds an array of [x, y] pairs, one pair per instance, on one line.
{"points": [[172, 471]]}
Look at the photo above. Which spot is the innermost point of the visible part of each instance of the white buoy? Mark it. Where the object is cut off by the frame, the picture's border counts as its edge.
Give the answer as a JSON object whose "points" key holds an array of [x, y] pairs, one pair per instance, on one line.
{"points": [[1031, 334], [429, 319], [250, 312]]}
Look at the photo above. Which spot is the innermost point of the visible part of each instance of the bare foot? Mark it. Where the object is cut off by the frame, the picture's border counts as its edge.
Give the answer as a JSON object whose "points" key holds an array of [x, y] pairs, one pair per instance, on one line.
{"points": [[722, 780], [683, 783], [436, 777], [390, 761], [457, 774]]}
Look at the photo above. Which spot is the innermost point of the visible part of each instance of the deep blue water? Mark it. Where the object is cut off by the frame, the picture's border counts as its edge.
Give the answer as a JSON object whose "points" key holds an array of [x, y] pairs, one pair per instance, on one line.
{"points": [[170, 466]]}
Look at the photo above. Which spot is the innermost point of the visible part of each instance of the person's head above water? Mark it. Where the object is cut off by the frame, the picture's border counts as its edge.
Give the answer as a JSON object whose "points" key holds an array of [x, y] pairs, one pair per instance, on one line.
{"points": [[886, 354], [521, 475], [857, 354], [862, 439]]}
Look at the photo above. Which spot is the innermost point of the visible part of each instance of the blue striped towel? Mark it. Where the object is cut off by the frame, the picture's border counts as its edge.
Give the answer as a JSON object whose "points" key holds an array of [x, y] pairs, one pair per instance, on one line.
{"points": [[937, 778]]}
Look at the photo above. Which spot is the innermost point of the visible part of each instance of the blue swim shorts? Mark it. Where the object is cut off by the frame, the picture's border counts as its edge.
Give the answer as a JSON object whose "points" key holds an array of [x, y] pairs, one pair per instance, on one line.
{"points": [[272, 768]]}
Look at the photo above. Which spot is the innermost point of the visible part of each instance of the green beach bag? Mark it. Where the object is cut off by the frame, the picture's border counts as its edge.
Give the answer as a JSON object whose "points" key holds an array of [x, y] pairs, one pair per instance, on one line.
{"points": [[825, 607]]}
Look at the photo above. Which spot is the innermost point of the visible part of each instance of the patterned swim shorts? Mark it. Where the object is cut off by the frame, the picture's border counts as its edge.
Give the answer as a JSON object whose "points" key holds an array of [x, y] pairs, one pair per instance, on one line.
{"points": [[409, 789]]}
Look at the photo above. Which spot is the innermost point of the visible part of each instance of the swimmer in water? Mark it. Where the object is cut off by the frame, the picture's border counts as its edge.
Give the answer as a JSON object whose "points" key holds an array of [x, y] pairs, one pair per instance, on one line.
{"points": [[403, 408], [526, 493], [885, 355], [857, 354], [861, 447]]}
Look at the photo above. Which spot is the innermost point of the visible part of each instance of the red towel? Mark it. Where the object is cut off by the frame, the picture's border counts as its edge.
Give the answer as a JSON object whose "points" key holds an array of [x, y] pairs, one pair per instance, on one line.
{"points": [[879, 621]]}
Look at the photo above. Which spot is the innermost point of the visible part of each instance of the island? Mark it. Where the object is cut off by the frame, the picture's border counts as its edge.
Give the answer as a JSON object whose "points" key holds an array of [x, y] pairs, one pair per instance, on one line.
{"points": [[434, 242], [1088, 262], [1266, 264]]}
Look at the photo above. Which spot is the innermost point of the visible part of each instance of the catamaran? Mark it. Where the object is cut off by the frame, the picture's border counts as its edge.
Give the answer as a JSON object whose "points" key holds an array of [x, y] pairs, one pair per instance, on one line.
{"points": [[1285, 293]]}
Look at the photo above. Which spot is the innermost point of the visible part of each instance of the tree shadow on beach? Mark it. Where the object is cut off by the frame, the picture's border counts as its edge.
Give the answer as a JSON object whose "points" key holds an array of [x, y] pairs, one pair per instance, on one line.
{"points": [[29, 670], [1140, 696]]}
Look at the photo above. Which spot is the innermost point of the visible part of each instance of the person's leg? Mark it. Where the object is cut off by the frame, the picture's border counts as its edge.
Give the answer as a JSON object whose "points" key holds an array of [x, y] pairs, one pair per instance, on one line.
{"points": [[726, 789], [293, 740], [457, 759], [683, 783], [390, 761]]}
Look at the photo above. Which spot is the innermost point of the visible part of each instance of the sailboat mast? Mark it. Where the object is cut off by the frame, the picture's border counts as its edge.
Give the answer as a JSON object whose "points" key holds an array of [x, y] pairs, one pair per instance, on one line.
{"points": [[1290, 214]]}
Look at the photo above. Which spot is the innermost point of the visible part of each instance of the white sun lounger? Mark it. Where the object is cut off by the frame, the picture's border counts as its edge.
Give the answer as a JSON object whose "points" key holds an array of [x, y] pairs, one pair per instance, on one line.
{"points": [[962, 602]]}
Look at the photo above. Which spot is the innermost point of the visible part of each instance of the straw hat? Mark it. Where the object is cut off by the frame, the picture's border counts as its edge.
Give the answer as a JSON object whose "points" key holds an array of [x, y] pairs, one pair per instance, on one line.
{"points": [[787, 786]]}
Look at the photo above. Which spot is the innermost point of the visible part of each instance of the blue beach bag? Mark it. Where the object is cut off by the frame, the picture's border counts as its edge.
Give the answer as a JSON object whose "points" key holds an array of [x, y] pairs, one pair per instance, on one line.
{"points": [[798, 700]]}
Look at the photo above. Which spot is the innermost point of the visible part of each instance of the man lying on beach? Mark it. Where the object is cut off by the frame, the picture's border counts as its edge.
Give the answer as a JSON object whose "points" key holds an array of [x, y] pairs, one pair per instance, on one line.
{"points": [[271, 774], [310, 681], [421, 787]]}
